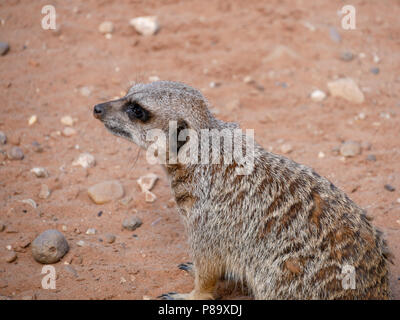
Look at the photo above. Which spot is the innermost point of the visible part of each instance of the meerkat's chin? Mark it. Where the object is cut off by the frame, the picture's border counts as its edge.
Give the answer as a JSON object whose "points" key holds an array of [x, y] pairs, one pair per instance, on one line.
{"points": [[118, 131]]}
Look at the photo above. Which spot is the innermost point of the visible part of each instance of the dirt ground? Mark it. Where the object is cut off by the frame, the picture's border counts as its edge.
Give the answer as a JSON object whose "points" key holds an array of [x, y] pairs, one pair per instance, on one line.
{"points": [[199, 43]]}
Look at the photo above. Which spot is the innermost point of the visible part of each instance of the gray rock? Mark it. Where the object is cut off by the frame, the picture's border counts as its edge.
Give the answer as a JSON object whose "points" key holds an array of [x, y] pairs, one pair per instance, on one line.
{"points": [[346, 56], [131, 223], [109, 238], [334, 35], [350, 149], [71, 270], [49, 247], [15, 153], [37, 147], [3, 138], [371, 157], [4, 47], [374, 70], [390, 188]]}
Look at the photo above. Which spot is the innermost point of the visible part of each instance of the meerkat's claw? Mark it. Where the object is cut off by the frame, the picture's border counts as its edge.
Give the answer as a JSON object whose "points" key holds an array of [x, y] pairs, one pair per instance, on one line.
{"points": [[172, 296], [188, 267]]}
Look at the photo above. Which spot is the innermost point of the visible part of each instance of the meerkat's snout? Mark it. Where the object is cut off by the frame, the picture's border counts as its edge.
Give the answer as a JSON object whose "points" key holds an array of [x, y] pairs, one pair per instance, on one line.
{"points": [[99, 110]]}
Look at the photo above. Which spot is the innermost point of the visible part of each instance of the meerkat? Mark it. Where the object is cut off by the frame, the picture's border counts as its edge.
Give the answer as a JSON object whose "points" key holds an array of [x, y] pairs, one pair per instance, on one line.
{"points": [[282, 230]]}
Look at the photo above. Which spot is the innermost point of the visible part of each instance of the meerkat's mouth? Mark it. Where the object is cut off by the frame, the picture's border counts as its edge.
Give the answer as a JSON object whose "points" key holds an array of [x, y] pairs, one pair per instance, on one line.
{"points": [[118, 131]]}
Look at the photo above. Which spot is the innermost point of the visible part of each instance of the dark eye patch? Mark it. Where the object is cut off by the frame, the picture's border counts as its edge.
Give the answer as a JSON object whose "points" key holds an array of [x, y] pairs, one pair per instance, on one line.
{"points": [[135, 111]]}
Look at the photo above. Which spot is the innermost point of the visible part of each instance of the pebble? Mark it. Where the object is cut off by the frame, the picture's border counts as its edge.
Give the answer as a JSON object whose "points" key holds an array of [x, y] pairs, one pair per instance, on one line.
{"points": [[150, 196], [334, 35], [347, 89], [71, 270], [10, 257], [346, 56], [371, 157], [350, 149], [3, 138], [147, 182], [106, 191], [106, 27], [91, 231], [398, 200], [286, 148], [2, 226], [318, 96], [321, 155], [85, 91], [85, 160], [15, 153], [154, 78], [37, 147], [67, 120], [145, 25], [68, 131], [374, 70], [389, 188], [80, 243], [131, 223], [49, 247], [31, 202], [32, 120], [40, 172], [44, 192], [109, 238], [4, 47]]}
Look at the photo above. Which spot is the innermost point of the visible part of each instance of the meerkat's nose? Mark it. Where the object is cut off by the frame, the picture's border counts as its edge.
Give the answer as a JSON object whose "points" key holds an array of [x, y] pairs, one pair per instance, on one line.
{"points": [[98, 111]]}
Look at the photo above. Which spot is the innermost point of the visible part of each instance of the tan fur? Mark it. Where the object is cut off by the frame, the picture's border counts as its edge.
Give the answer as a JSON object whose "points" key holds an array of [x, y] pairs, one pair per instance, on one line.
{"points": [[283, 231]]}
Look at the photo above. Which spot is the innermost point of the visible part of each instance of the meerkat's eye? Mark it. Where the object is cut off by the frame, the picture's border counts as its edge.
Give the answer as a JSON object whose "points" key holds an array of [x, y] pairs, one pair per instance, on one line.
{"points": [[136, 111]]}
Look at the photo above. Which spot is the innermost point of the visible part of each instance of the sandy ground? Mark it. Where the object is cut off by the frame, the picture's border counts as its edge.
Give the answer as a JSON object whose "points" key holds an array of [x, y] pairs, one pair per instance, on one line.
{"points": [[200, 42]]}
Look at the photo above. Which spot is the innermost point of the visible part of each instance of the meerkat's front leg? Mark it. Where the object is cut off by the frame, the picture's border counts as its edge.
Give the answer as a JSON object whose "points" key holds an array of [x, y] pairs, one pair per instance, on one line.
{"points": [[204, 285]]}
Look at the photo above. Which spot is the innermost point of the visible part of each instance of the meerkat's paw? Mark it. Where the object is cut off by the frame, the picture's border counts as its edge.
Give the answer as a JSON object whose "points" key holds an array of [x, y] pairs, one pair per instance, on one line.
{"points": [[188, 267]]}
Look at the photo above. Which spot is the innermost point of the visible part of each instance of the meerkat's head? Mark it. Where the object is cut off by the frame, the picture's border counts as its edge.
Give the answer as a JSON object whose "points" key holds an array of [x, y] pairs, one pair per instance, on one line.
{"points": [[154, 106]]}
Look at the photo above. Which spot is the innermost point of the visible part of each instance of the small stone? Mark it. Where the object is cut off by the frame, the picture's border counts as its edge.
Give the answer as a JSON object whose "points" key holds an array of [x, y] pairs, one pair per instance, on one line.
{"points": [[145, 25], [318, 96], [3, 138], [371, 157], [248, 79], [321, 155], [389, 188], [49, 247], [71, 270], [334, 35], [44, 191], [398, 200], [80, 243], [131, 223], [154, 78], [350, 149], [286, 148], [67, 120], [10, 257], [15, 153], [346, 56], [36, 147], [31, 202], [147, 181], [68, 131], [347, 89], [85, 160], [4, 47], [374, 70], [2, 226], [214, 84], [32, 120], [109, 238], [64, 228], [91, 231], [106, 27], [29, 297], [106, 191], [40, 172], [150, 196], [85, 91]]}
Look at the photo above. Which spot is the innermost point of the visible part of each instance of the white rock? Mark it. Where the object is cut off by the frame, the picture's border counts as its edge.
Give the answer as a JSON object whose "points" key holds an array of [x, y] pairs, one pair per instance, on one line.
{"points": [[44, 191], [318, 95], [32, 120], [321, 155], [40, 172], [30, 202], [150, 196], [347, 89], [350, 149], [154, 78], [91, 231], [286, 148], [68, 121], [64, 228], [147, 182], [85, 160], [85, 91], [106, 27], [68, 132], [80, 243], [145, 25]]}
